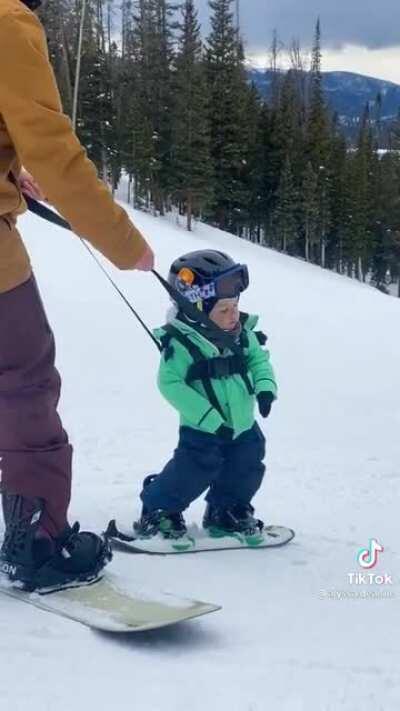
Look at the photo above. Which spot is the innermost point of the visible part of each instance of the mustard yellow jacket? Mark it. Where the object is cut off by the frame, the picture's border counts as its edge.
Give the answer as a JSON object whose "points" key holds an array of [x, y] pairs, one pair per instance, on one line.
{"points": [[35, 132]]}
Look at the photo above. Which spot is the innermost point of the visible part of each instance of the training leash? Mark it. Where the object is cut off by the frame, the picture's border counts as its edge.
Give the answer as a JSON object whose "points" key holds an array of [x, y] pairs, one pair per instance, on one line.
{"points": [[189, 309], [50, 216]]}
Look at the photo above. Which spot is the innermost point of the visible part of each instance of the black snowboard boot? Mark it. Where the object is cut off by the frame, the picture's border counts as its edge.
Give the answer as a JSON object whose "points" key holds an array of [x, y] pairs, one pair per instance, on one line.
{"points": [[151, 523], [238, 519], [35, 561]]}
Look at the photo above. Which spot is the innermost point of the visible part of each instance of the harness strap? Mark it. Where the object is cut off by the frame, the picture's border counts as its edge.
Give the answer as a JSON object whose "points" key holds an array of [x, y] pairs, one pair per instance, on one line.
{"points": [[238, 351], [197, 356], [220, 367]]}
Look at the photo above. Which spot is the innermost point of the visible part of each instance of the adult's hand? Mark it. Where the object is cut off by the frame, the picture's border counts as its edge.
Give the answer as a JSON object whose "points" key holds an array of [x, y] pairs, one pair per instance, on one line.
{"points": [[146, 261], [30, 187]]}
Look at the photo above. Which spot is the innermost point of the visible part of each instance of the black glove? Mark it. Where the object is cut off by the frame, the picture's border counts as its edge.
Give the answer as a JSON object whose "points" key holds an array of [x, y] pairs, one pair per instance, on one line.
{"points": [[265, 401], [224, 432]]}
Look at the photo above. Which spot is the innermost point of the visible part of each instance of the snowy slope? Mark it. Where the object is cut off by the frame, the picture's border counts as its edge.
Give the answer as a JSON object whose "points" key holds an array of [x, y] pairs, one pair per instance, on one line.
{"points": [[333, 465]]}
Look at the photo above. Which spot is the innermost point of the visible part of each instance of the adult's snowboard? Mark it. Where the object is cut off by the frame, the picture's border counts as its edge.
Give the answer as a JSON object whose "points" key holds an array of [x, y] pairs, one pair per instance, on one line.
{"points": [[111, 606], [197, 540]]}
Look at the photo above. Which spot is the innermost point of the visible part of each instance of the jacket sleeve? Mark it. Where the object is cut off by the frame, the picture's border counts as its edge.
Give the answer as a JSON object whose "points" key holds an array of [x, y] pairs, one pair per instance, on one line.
{"points": [[46, 144], [261, 368], [191, 405]]}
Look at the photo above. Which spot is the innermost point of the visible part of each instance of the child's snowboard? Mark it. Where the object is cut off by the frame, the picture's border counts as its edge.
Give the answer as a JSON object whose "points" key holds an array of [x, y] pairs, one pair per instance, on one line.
{"points": [[197, 540]]}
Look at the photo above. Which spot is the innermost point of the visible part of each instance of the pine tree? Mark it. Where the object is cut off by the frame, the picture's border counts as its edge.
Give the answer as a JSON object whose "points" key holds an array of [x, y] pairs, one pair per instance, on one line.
{"points": [[138, 146], [318, 134], [386, 252], [58, 18], [95, 105], [291, 123], [161, 81], [276, 74], [253, 169], [191, 162], [358, 243], [147, 99], [285, 211], [324, 212], [269, 181], [309, 209], [227, 90], [319, 145], [151, 114], [339, 199]]}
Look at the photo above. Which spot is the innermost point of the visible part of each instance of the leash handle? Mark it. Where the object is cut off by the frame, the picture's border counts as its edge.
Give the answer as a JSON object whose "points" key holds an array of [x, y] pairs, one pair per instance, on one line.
{"points": [[43, 211]]}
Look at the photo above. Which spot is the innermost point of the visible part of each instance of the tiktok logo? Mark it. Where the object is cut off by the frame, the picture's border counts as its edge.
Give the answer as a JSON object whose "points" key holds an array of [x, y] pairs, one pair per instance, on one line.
{"points": [[368, 557]]}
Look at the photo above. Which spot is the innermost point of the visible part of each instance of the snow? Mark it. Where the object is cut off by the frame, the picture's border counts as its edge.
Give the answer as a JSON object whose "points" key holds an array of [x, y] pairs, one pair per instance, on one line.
{"points": [[280, 642]]}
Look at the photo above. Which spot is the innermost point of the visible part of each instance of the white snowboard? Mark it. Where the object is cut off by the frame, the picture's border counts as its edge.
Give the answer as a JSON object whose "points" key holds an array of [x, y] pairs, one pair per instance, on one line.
{"points": [[111, 607], [197, 540]]}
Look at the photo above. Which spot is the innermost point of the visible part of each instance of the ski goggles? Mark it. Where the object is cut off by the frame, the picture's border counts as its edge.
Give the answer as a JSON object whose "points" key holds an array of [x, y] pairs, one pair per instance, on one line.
{"points": [[226, 285]]}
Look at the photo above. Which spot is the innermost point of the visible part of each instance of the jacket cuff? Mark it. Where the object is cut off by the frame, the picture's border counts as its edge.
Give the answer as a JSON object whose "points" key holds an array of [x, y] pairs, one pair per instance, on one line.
{"points": [[266, 385]]}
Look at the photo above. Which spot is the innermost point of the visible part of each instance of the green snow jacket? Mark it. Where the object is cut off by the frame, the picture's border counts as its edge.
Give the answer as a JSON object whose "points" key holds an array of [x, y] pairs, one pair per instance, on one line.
{"points": [[236, 403]]}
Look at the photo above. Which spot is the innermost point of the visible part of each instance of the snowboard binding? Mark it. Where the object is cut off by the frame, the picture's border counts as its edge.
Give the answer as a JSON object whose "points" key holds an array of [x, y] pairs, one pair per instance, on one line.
{"points": [[168, 525], [33, 560], [235, 520]]}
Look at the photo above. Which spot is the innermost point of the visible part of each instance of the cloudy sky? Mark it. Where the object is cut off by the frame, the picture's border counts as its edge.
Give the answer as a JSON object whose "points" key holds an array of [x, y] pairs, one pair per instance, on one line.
{"points": [[358, 35]]}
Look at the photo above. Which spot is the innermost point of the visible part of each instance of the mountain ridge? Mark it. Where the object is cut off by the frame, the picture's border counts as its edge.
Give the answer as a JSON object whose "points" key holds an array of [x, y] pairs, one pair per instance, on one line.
{"points": [[347, 94]]}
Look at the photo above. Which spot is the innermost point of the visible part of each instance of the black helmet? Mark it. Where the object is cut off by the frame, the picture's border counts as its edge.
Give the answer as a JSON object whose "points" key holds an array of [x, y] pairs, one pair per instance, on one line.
{"points": [[206, 276]]}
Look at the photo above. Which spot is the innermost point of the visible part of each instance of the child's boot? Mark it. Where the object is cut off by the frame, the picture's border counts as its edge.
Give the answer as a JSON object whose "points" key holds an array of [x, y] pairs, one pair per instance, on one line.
{"points": [[228, 521], [168, 524]]}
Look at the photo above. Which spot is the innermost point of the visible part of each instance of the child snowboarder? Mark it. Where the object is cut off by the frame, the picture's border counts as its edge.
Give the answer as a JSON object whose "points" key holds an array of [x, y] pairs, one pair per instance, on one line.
{"points": [[221, 447]]}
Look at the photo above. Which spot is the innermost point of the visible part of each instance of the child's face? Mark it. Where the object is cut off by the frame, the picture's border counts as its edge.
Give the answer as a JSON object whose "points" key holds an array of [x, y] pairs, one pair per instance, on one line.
{"points": [[226, 313]]}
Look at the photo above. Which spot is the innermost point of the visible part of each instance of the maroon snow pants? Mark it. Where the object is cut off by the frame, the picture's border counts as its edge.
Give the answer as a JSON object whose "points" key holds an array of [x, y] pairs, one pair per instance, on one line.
{"points": [[34, 449]]}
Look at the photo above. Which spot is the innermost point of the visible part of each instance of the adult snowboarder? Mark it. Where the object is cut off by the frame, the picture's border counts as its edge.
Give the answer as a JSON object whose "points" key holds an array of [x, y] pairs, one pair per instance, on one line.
{"points": [[221, 447], [40, 549]]}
